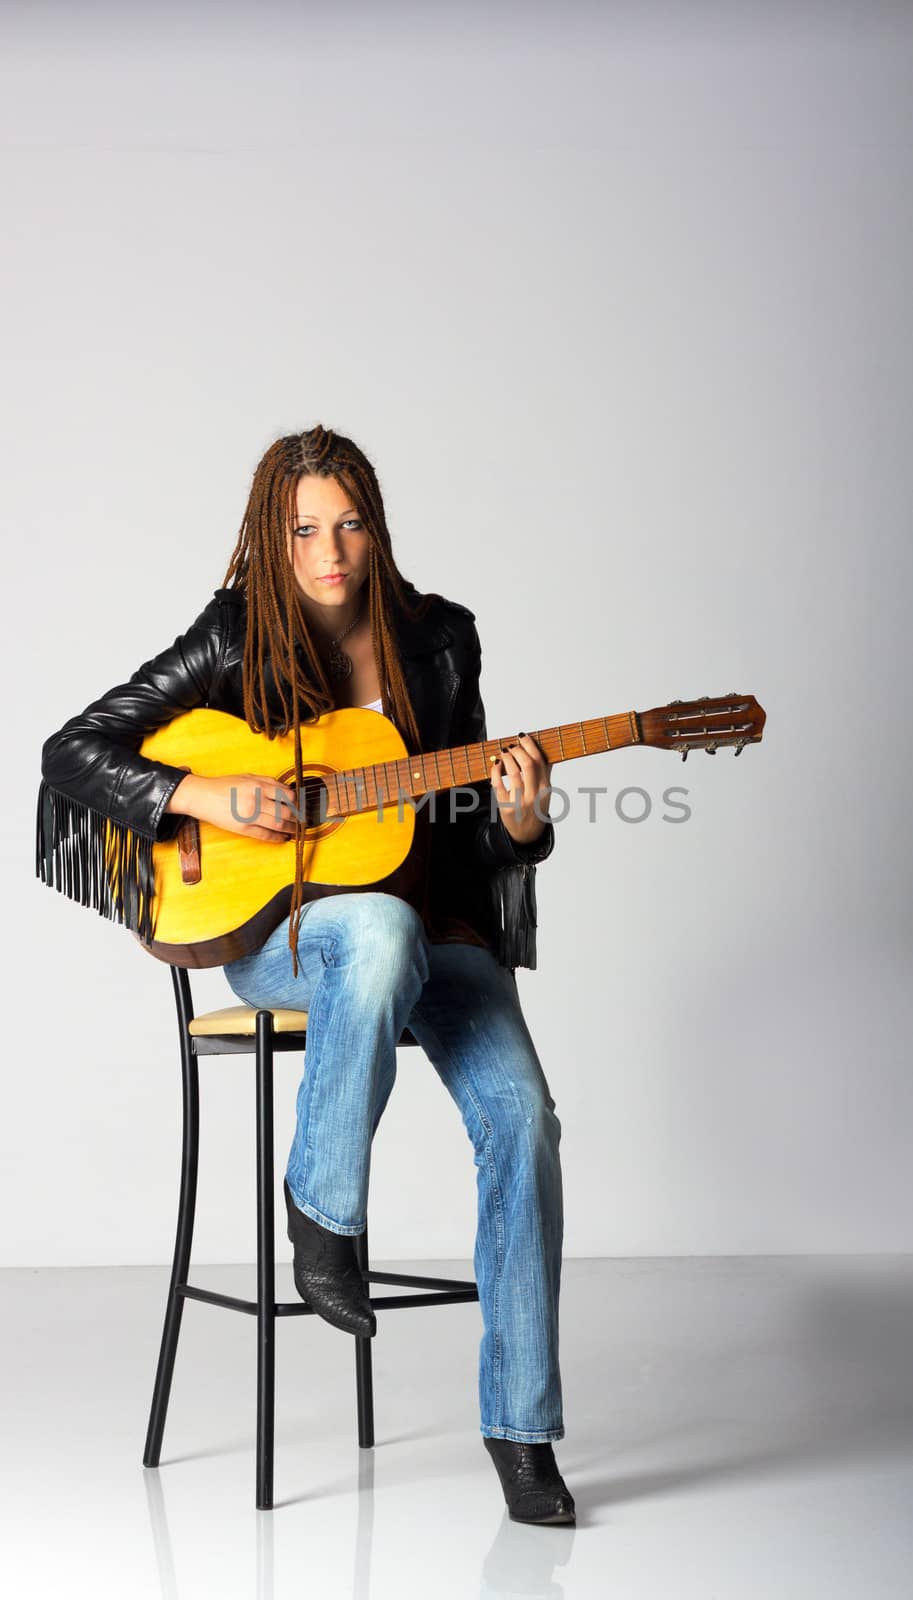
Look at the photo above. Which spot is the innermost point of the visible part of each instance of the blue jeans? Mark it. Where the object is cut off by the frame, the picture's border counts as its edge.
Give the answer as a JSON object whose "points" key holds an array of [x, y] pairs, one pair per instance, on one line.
{"points": [[366, 970]]}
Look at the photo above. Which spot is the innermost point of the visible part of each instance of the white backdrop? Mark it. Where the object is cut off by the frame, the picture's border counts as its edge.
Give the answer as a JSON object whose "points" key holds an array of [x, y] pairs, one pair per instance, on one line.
{"points": [[617, 300]]}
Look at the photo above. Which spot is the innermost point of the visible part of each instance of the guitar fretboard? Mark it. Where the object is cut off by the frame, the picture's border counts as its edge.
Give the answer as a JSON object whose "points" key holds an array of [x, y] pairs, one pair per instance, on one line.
{"points": [[370, 788]]}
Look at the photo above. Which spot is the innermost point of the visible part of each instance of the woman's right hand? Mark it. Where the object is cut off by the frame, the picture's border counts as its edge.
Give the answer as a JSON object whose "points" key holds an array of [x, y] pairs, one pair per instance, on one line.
{"points": [[265, 800]]}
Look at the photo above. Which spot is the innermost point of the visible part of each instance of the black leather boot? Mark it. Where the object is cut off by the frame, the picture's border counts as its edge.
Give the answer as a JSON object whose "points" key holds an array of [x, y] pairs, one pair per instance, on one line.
{"points": [[327, 1274], [533, 1487]]}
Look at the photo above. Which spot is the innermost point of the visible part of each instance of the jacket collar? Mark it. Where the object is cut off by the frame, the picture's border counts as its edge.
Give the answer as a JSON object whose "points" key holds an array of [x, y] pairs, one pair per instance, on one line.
{"points": [[414, 637]]}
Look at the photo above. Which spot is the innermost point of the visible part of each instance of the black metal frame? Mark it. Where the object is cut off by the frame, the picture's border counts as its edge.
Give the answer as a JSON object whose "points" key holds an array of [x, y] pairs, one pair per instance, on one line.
{"points": [[444, 1291]]}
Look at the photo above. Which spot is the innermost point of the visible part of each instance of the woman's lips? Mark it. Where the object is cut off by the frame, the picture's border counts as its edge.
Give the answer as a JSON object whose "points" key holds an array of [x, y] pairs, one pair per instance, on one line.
{"points": [[336, 577]]}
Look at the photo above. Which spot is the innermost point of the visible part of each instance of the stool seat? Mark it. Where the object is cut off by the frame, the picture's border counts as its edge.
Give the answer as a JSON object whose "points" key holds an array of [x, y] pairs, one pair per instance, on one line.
{"points": [[243, 1019]]}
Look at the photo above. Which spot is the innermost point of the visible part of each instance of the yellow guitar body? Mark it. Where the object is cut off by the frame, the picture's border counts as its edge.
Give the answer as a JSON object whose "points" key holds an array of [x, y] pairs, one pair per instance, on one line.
{"points": [[244, 884]]}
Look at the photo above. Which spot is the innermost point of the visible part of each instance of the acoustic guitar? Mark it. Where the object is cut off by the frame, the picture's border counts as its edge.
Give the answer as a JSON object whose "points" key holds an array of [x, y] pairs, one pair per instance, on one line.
{"points": [[218, 894]]}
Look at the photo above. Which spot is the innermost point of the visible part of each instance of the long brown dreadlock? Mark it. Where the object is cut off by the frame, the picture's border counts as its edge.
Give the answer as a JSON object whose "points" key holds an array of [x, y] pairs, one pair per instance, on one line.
{"points": [[277, 628]]}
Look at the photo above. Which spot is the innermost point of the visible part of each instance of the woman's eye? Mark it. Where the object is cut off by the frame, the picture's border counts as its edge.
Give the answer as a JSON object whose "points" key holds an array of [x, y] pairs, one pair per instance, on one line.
{"points": [[308, 527]]}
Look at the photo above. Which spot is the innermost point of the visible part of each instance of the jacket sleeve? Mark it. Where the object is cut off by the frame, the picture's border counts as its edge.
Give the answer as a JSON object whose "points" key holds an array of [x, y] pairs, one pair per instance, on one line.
{"points": [[101, 805], [480, 839], [94, 759]]}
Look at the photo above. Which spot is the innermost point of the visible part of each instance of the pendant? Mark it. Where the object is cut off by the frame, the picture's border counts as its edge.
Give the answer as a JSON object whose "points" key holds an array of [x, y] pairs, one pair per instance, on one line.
{"points": [[340, 664]]}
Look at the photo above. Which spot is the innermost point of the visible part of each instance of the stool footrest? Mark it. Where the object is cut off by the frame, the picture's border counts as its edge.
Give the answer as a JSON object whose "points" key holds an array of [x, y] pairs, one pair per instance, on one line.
{"points": [[420, 1282], [438, 1296]]}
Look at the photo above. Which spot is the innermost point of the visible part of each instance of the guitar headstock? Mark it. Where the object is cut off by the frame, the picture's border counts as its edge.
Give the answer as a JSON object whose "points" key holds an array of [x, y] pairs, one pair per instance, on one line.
{"points": [[706, 724]]}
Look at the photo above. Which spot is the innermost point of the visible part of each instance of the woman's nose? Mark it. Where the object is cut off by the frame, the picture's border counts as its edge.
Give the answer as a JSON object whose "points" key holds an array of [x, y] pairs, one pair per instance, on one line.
{"points": [[332, 542]]}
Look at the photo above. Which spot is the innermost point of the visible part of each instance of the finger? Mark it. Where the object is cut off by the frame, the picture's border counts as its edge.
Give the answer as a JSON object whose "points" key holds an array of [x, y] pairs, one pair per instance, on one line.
{"points": [[506, 772], [526, 764], [497, 778], [284, 828], [526, 746], [283, 812], [527, 767], [267, 835], [531, 759], [512, 788], [268, 790], [275, 815], [280, 806], [527, 742], [522, 741]]}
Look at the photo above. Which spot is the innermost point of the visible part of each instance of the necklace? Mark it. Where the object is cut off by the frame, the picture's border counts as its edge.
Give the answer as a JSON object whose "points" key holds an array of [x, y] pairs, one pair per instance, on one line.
{"points": [[340, 662]]}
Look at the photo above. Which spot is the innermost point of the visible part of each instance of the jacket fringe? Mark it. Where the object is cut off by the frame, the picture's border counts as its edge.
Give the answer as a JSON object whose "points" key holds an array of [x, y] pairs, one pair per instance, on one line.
{"points": [[94, 861], [513, 897]]}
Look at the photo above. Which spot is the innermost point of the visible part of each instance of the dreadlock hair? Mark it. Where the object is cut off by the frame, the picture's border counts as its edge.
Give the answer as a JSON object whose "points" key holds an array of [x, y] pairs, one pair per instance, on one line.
{"points": [[277, 628]]}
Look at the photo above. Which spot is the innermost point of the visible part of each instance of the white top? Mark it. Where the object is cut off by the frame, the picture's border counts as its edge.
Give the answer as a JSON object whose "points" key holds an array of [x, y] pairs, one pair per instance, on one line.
{"points": [[376, 705]]}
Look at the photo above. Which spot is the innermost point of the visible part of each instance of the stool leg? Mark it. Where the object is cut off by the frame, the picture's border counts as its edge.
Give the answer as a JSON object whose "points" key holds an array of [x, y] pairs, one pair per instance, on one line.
{"points": [[364, 1379], [266, 1265], [190, 1150]]}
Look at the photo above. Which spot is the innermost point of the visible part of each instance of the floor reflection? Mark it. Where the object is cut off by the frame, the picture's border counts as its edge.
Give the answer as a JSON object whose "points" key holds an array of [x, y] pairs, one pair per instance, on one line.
{"points": [[521, 1561]]}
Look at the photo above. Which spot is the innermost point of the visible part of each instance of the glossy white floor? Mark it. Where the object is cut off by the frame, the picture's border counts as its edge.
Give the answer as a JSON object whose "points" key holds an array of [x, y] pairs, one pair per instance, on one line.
{"points": [[735, 1428]]}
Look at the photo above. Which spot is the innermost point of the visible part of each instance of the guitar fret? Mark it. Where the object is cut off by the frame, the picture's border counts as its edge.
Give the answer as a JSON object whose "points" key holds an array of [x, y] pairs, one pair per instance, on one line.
{"points": [[380, 785]]}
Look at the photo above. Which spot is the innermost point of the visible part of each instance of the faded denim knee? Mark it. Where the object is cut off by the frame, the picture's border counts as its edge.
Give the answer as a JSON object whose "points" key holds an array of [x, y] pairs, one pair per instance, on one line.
{"points": [[384, 939]]}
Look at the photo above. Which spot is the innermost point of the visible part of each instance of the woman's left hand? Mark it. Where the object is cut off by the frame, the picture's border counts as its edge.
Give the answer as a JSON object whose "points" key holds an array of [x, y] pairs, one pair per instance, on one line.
{"points": [[524, 767]]}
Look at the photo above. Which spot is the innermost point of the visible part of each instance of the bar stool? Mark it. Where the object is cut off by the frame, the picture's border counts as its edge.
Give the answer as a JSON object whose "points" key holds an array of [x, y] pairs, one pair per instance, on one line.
{"points": [[244, 1030]]}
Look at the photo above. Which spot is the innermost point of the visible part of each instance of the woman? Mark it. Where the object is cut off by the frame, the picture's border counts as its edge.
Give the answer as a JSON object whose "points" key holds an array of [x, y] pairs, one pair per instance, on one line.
{"points": [[314, 615]]}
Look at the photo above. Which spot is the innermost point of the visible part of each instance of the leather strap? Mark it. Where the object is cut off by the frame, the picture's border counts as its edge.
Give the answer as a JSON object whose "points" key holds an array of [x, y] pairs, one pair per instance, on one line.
{"points": [[188, 838]]}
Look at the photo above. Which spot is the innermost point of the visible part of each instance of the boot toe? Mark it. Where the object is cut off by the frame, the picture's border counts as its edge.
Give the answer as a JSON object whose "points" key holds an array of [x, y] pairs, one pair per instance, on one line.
{"points": [[327, 1275], [534, 1489], [536, 1506], [343, 1306]]}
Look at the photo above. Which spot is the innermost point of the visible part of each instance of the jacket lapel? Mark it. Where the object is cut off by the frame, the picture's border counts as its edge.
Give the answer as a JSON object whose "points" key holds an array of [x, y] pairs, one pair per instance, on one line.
{"points": [[432, 676]]}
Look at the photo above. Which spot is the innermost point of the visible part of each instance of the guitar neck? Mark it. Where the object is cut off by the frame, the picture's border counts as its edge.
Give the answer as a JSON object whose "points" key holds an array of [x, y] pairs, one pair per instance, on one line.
{"points": [[364, 788]]}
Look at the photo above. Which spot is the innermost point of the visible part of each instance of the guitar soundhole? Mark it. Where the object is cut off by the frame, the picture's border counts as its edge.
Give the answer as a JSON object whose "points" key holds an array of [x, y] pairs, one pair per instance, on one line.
{"points": [[313, 800]]}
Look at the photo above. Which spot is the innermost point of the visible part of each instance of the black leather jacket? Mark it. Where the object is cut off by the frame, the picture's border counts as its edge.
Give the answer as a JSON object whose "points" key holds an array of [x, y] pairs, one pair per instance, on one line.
{"points": [[91, 770]]}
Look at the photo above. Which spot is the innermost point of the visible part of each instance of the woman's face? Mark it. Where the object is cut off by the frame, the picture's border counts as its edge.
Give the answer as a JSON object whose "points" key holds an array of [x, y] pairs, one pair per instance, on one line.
{"points": [[328, 536]]}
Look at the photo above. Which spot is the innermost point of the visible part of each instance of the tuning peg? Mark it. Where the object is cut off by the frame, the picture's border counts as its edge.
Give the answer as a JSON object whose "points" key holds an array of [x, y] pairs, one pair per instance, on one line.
{"points": [[710, 749], [740, 746], [685, 753]]}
